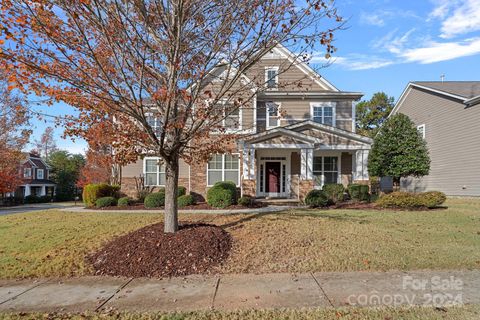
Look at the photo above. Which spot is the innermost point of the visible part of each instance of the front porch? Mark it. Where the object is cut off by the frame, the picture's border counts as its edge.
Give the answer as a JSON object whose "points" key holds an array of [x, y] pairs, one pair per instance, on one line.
{"points": [[285, 162]]}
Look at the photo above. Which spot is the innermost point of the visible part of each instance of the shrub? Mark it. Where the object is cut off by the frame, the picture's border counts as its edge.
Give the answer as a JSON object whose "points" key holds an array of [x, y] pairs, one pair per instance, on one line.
{"points": [[354, 191], [316, 198], [105, 202], [245, 201], [155, 200], [32, 199], [186, 200], [92, 192], [45, 199], [334, 192], [222, 194], [219, 197], [124, 202], [364, 192], [408, 200], [433, 199], [181, 191], [142, 194]]}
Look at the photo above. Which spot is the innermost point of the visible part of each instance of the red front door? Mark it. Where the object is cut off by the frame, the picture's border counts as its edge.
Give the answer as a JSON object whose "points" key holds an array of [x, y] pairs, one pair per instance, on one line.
{"points": [[273, 177]]}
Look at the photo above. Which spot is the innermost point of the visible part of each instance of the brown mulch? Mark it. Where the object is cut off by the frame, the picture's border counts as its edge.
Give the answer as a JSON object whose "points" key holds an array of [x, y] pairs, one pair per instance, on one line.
{"points": [[149, 252], [198, 206]]}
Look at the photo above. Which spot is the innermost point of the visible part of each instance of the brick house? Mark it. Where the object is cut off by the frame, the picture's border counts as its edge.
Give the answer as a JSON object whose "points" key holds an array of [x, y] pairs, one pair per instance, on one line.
{"points": [[35, 174], [295, 135]]}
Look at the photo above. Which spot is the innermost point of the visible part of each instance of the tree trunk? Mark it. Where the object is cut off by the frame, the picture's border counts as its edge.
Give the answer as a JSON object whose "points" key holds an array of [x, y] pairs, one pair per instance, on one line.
{"points": [[171, 187]]}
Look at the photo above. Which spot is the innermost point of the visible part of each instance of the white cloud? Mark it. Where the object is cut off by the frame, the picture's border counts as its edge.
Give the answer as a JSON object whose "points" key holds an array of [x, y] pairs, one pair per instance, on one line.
{"points": [[372, 19], [355, 62], [442, 51], [457, 17]]}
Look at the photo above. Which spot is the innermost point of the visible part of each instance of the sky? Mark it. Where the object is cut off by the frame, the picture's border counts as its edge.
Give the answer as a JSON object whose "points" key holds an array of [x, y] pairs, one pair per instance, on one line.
{"points": [[385, 44]]}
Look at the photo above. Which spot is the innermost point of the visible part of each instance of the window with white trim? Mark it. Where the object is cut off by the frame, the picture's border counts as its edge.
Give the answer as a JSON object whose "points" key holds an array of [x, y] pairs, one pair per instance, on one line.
{"points": [[223, 167], [271, 77], [325, 170], [154, 171], [231, 119], [27, 172], [273, 114], [323, 113], [154, 123], [421, 130], [40, 174]]}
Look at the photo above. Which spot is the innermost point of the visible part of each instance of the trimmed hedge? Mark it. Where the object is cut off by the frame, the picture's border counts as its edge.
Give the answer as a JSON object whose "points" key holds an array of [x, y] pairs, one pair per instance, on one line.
{"points": [[124, 202], [334, 192], [186, 200], [222, 194], [316, 198], [359, 192], [92, 192], [181, 191], [105, 202], [354, 191], [245, 201], [407, 200], [155, 200]]}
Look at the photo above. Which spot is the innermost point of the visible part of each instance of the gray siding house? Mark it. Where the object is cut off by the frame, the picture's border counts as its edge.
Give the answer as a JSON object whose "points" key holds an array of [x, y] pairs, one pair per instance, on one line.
{"points": [[448, 116]]}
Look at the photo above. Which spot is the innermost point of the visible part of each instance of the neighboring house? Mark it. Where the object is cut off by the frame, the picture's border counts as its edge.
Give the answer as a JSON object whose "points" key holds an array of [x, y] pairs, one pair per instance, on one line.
{"points": [[298, 134], [35, 174], [447, 114]]}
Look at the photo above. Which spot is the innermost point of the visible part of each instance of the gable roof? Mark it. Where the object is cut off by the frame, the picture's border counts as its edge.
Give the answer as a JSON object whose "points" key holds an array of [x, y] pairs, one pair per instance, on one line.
{"points": [[280, 131], [466, 92], [465, 89]]}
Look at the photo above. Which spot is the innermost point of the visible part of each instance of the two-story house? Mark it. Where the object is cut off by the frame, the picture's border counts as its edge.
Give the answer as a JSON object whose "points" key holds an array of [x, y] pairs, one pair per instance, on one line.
{"points": [[296, 135], [35, 174], [447, 115]]}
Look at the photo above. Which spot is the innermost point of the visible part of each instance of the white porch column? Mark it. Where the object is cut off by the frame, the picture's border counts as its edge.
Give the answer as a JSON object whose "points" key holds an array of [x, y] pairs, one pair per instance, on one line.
{"points": [[27, 190], [306, 164], [361, 165], [245, 167], [251, 173], [43, 191]]}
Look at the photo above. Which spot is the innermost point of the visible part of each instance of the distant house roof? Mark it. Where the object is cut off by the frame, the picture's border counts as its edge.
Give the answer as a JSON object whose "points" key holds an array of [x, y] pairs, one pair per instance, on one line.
{"points": [[465, 89]]}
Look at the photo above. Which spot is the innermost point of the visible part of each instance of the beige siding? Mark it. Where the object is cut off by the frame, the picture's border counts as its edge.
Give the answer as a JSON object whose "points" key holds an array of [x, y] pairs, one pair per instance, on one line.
{"points": [[452, 132], [299, 110], [346, 168], [136, 169], [290, 77]]}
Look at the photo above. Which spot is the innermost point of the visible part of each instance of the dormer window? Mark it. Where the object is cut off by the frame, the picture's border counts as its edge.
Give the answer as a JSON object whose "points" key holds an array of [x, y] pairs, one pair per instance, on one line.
{"points": [[271, 77], [27, 172], [40, 174], [323, 112]]}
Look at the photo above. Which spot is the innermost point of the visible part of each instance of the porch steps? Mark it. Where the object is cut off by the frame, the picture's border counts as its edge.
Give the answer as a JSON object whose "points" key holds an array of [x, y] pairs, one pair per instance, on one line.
{"points": [[279, 201]]}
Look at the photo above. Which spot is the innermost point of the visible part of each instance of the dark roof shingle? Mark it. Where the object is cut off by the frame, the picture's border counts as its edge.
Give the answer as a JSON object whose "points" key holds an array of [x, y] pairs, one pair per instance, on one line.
{"points": [[466, 89]]}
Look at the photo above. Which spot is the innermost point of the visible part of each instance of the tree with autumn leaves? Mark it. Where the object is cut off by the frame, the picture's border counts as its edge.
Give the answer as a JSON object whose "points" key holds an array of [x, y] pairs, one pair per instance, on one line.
{"points": [[14, 134], [145, 66]]}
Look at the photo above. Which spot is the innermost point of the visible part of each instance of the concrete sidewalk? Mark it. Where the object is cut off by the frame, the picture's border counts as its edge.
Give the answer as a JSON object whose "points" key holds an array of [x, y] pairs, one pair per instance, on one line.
{"points": [[243, 291]]}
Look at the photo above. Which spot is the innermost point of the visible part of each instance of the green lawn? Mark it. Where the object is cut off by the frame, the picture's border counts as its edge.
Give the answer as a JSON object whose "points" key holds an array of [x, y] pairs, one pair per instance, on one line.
{"points": [[471, 312], [54, 243]]}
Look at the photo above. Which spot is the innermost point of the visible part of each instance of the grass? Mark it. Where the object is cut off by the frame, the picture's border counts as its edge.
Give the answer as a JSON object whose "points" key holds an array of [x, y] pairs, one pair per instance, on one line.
{"points": [[54, 243], [469, 312]]}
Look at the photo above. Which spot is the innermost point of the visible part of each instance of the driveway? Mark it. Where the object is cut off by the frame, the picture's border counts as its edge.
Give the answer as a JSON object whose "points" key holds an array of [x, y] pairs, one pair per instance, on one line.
{"points": [[36, 207]]}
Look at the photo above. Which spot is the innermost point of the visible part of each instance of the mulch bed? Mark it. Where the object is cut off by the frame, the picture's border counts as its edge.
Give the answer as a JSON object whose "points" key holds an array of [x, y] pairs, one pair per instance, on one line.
{"points": [[198, 206], [149, 252]]}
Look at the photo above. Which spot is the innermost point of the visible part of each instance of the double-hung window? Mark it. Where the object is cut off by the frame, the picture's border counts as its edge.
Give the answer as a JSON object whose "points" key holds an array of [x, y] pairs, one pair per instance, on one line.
{"points": [[325, 170], [273, 114], [323, 112], [154, 171], [39, 173], [27, 172], [154, 123], [271, 77], [421, 130], [223, 167]]}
